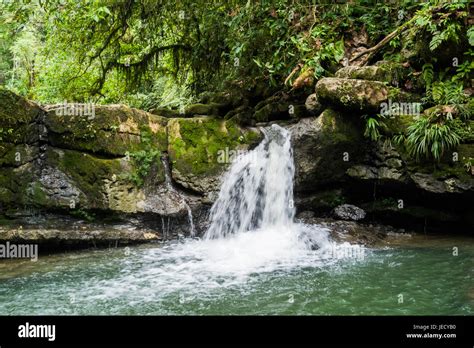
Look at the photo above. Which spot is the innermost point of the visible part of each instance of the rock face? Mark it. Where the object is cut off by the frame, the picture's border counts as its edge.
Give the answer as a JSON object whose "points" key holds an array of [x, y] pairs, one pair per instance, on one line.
{"points": [[324, 148], [112, 160], [349, 212], [358, 95], [200, 150], [378, 176], [113, 130]]}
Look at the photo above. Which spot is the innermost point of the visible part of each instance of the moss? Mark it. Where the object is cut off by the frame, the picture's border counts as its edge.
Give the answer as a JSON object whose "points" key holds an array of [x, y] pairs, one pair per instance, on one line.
{"points": [[168, 113], [358, 95], [327, 200], [37, 196], [387, 72], [87, 172], [212, 109], [17, 117], [6, 194], [336, 129], [194, 144], [114, 130], [16, 155], [397, 125]]}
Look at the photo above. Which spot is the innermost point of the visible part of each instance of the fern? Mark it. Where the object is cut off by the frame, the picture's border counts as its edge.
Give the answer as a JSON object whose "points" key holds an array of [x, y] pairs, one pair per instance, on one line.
{"points": [[372, 128], [436, 40], [448, 92], [428, 139], [428, 73], [470, 36]]}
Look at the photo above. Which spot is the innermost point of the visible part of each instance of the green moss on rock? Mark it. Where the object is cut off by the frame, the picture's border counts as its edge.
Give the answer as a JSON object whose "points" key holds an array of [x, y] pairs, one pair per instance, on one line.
{"points": [[17, 118], [358, 95], [195, 144], [87, 172], [388, 72], [211, 109], [114, 130]]}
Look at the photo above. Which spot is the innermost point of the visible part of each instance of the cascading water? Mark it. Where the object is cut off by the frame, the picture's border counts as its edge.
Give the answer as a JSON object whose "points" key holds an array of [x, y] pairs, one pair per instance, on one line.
{"points": [[257, 192], [257, 196]]}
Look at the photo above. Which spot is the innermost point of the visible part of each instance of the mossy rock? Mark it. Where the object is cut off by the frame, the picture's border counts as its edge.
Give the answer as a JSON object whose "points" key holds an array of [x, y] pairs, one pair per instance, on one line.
{"points": [[17, 118], [211, 109], [324, 148], [279, 111], [243, 116], [113, 131], [103, 183], [195, 144], [7, 187], [14, 186], [358, 95], [17, 155], [322, 201], [397, 124], [389, 72], [229, 99], [164, 112]]}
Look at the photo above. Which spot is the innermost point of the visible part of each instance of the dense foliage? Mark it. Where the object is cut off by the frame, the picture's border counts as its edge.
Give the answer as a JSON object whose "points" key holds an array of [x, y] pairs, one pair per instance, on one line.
{"points": [[149, 53], [55, 49]]}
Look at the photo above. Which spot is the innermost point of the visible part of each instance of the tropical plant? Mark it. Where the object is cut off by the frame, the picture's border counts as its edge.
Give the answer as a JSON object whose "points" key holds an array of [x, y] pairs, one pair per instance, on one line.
{"points": [[372, 127], [431, 137]]}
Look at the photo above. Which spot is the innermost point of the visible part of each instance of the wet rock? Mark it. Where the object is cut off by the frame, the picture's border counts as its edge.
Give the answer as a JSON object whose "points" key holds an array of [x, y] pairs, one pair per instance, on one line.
{"points": [[349, 212], [305, 215], [89, 235]]}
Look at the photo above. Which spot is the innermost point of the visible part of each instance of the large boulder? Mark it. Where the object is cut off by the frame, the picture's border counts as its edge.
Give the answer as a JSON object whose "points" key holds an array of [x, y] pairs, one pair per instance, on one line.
{"points": [[358, 95], [113, 130], [198, 146], [19, 130], [324, 148], [392, 73], [106, 160]]}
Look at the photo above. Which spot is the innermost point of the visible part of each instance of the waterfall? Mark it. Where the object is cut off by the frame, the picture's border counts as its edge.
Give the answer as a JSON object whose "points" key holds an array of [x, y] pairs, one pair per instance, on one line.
{"points": [[257, 191], [252, 226]]}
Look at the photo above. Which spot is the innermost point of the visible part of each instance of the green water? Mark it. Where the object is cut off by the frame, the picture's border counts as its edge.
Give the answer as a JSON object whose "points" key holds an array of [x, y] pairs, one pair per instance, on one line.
{"points": [[157, 279]]}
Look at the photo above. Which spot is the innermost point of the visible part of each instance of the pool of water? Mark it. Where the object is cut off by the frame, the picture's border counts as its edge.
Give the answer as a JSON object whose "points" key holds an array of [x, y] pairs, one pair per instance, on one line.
{"points": [[248, 275]]}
